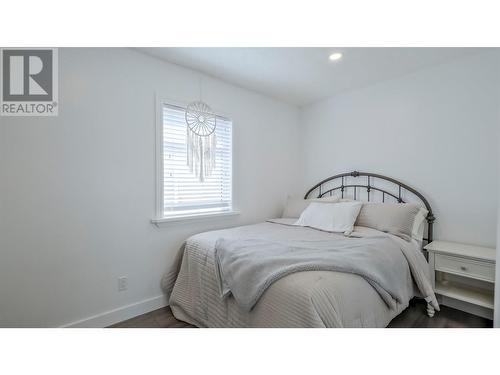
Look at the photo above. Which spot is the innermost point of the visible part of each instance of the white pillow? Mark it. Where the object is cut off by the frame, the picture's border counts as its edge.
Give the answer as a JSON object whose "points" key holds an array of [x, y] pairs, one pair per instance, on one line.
{"points": [[295, 206], [330, 217], [418, 228]]}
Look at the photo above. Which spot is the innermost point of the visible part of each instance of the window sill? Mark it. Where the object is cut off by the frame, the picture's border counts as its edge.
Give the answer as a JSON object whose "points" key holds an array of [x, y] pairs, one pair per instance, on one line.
{"points": [[193, 217]]}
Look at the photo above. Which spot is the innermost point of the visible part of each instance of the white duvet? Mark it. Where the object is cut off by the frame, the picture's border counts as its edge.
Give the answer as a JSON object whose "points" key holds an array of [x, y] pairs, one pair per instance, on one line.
{"points": [[302, 299]]}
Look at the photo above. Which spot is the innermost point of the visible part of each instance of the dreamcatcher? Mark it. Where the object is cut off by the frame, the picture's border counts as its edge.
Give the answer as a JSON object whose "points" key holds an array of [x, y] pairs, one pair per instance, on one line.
{"points": [[201, 141]]}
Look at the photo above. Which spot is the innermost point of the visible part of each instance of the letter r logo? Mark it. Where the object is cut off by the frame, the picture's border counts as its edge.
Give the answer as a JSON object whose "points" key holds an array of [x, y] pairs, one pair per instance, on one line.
{"points": [[27, 75]]}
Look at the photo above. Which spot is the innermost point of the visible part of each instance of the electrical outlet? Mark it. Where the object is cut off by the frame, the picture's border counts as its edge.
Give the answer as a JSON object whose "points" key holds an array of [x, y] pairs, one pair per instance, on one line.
{"points": [[122, 284]]}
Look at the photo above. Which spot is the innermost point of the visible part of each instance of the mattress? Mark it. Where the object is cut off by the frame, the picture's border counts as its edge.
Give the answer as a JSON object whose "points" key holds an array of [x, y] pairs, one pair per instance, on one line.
{"points": [[303, 299]]}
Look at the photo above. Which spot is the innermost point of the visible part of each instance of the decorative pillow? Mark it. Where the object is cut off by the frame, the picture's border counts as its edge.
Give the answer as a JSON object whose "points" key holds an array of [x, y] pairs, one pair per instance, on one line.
{"points": [[295, 206], [417, 232], [401, 219], [336, 217], [364, 232]]}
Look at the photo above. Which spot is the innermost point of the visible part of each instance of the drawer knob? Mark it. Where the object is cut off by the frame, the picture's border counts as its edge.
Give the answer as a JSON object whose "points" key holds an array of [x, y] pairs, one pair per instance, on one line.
{"points": [[463, 268]]}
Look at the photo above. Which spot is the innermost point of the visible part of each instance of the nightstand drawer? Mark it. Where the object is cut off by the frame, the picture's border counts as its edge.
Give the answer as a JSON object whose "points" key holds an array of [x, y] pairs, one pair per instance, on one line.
{"points": [[466, 267]]}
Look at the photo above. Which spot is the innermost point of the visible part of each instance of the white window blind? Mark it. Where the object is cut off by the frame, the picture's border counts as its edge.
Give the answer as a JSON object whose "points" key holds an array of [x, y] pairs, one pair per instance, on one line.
{"points": [[183, 193]]}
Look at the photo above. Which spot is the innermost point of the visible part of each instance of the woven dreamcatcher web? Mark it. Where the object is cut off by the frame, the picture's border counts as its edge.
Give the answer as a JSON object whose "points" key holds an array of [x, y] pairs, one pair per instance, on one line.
{"points": [[201, 141]]}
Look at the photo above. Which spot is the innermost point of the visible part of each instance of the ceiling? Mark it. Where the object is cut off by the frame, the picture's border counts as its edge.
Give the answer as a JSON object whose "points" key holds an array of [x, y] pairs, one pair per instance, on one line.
{"points": [[301, 76]]}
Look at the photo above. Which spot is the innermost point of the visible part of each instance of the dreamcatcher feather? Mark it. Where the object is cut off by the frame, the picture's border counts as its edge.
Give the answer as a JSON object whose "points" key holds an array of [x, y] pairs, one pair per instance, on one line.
{"points": [[201, 140]]}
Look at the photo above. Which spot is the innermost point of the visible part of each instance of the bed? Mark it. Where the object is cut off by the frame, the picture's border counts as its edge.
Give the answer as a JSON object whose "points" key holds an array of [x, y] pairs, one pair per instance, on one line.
{"points": [[309, 297]]}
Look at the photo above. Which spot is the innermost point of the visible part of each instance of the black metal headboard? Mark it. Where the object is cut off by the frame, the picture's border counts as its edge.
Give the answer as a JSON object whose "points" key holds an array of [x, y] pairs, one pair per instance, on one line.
{"points": [[327, 187]]}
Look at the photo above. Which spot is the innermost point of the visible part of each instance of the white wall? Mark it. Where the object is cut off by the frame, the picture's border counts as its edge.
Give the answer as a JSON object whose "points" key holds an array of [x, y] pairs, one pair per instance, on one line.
{"points": [[496, 321], [435, 129], [78, 190]]}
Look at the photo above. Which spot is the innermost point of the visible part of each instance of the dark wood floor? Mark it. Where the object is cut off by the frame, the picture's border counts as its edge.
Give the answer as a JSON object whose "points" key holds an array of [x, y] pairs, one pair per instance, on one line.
{"points": [[413, 317], [161, 318]]}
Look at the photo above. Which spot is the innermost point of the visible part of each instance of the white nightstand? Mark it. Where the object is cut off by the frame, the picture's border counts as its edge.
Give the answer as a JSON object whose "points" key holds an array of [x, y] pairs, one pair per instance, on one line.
{"points": [[463, 276]]}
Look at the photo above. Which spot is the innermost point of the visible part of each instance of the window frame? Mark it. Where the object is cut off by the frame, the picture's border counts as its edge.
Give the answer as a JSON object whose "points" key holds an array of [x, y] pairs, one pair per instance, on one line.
{"points": [[160, 216]]}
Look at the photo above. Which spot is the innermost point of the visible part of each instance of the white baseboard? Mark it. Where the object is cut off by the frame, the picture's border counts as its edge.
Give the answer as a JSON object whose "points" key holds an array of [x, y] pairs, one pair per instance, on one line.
{"points": [[120, 314]]}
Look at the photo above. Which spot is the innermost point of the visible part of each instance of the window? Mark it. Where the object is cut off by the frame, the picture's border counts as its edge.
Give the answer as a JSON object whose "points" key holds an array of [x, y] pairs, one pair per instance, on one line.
{"points": [[183, 193]]}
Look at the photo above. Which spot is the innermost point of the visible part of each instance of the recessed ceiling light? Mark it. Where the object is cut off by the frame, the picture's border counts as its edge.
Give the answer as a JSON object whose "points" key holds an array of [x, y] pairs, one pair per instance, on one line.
{"points": [[335, 56]]}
